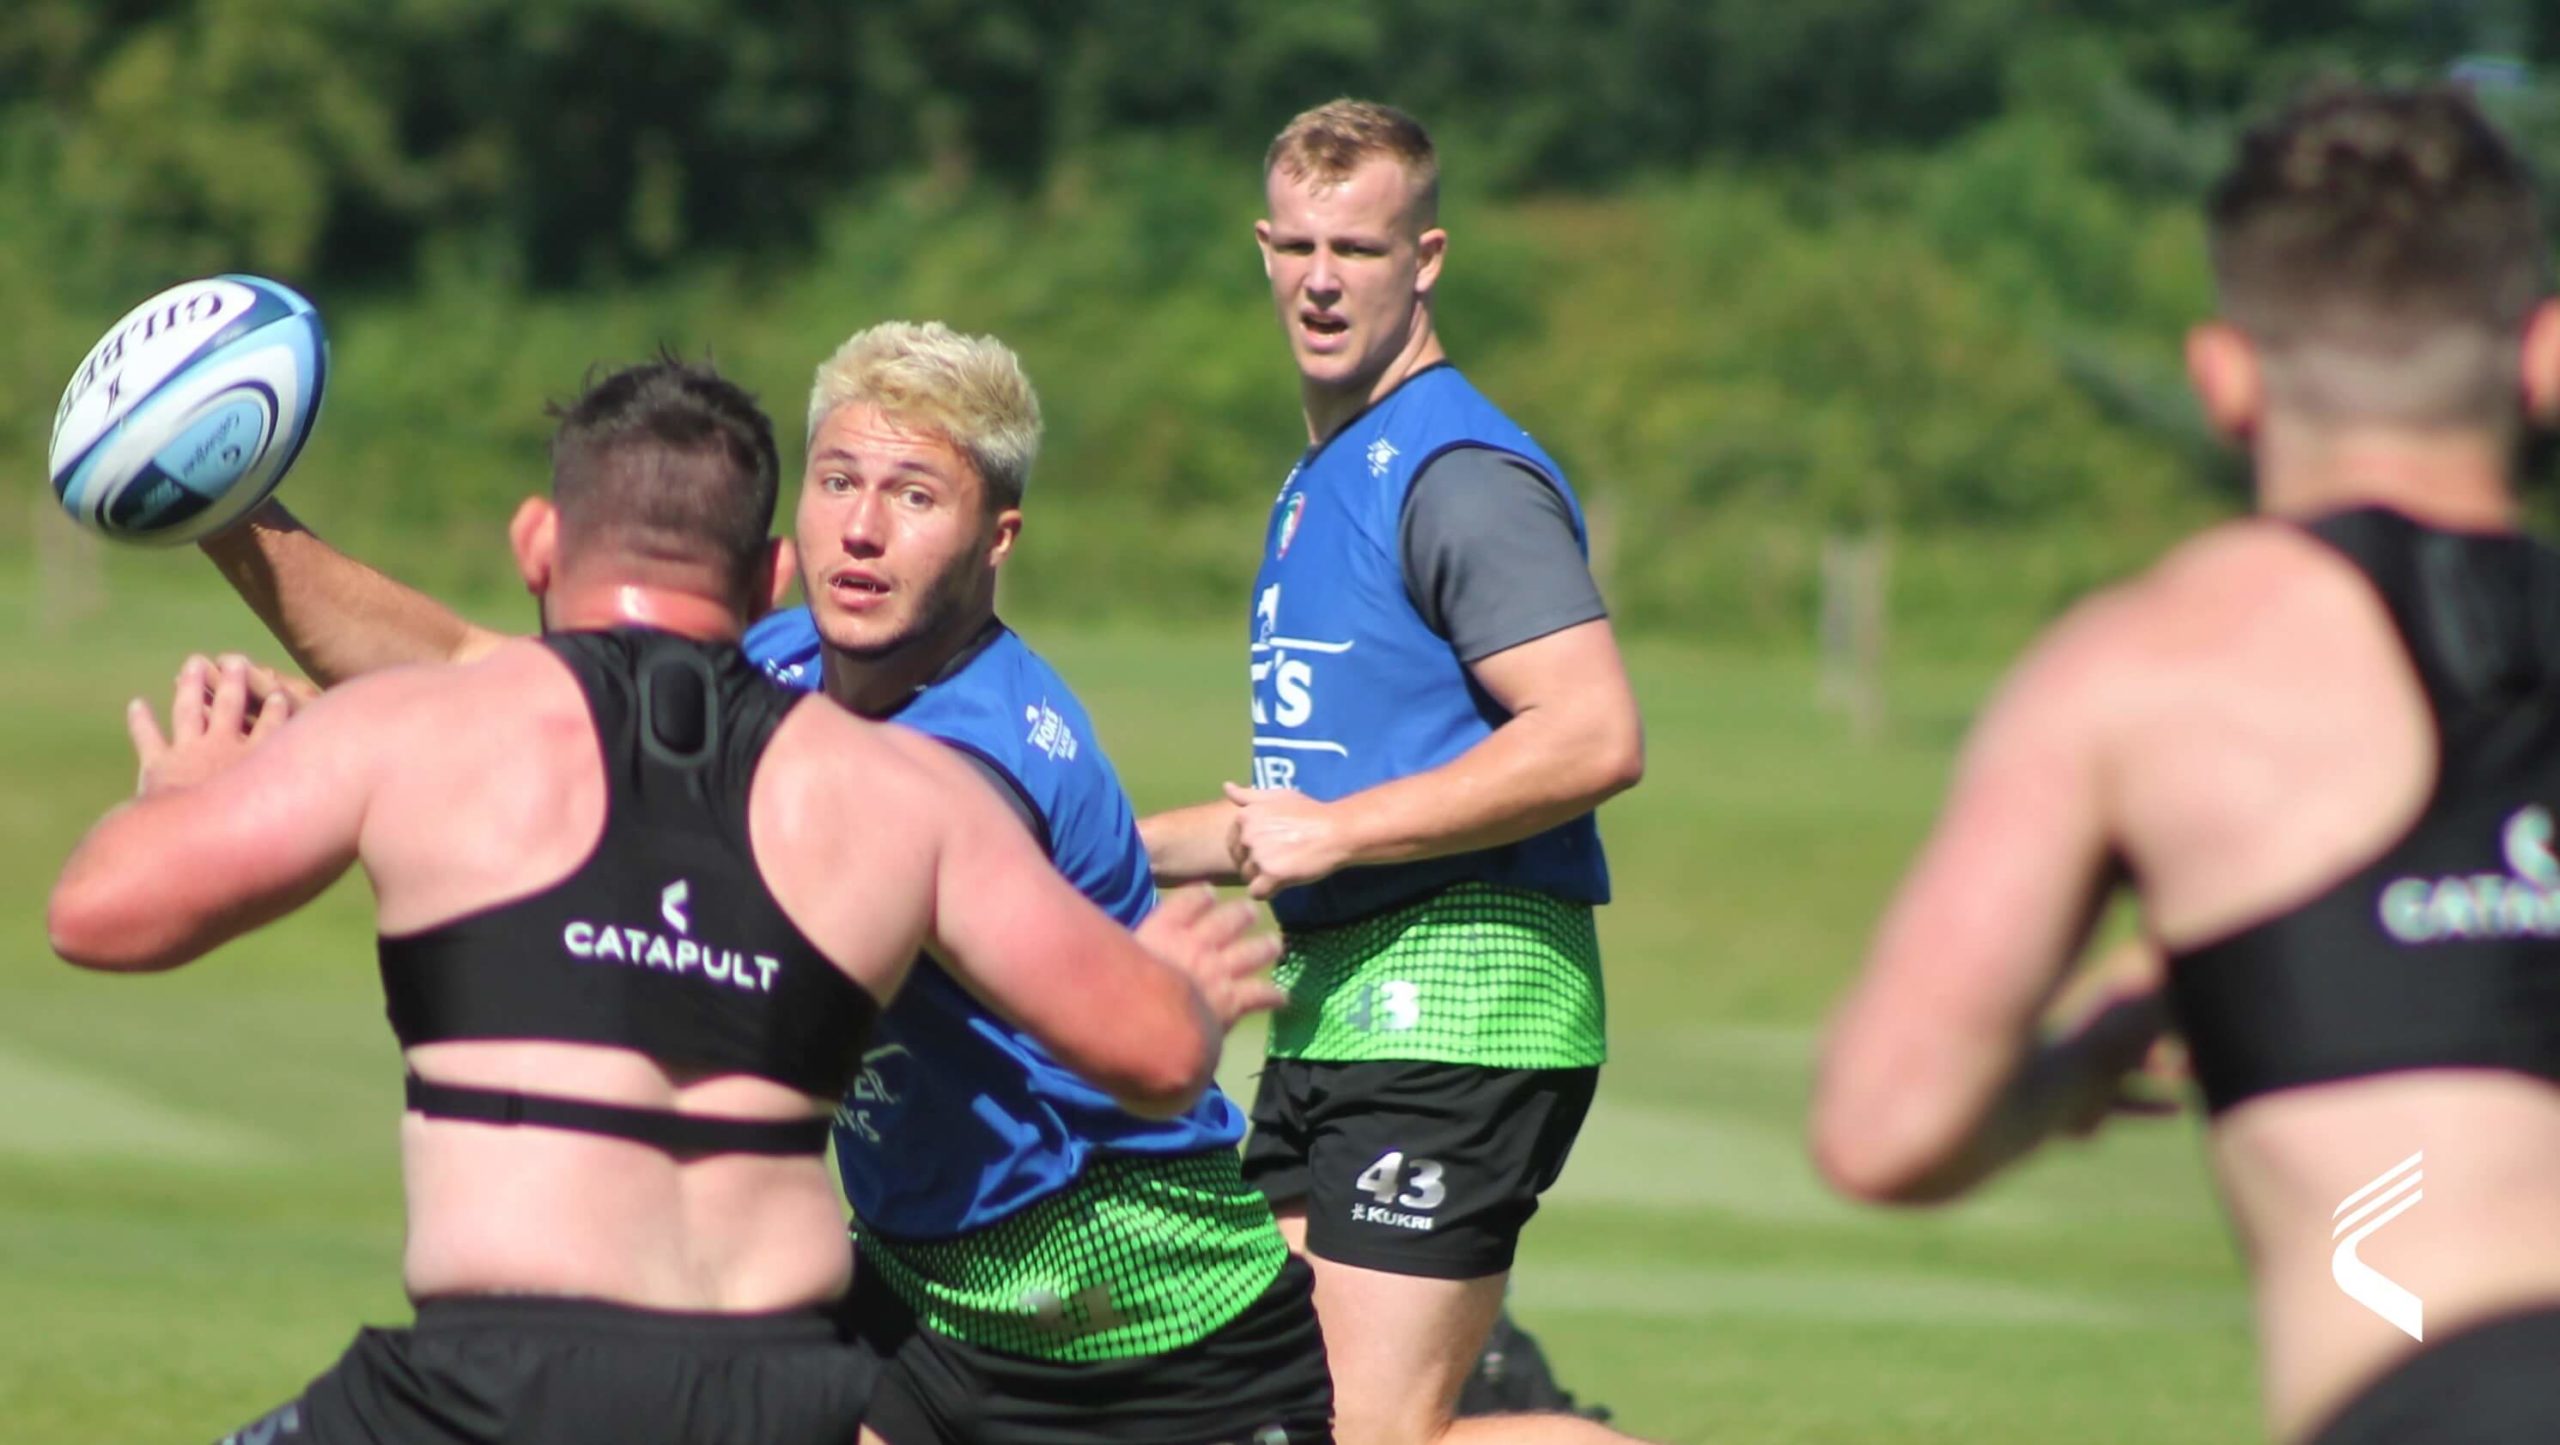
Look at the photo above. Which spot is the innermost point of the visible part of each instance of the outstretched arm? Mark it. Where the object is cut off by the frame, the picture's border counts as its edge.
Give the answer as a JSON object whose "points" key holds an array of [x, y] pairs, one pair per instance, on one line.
{"points": [[237, 824], [337, 617], [1933, 1076]]}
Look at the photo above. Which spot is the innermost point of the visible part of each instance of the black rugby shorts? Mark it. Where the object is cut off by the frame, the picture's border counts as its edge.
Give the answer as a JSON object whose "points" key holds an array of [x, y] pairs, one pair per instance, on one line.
{"points": [[2496, 1383], [494, 1370], [1414, 1168]]}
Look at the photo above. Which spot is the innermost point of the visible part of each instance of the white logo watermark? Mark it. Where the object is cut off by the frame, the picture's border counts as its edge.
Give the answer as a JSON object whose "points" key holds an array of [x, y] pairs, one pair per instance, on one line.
{"points": [[2357, 1217], [671, 901]]}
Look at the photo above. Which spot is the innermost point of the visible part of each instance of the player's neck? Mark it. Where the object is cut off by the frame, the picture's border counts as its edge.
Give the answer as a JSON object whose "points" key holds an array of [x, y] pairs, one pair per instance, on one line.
{"points": [[875, 685], [1330, 409], [2454, 478], [684, 612]]}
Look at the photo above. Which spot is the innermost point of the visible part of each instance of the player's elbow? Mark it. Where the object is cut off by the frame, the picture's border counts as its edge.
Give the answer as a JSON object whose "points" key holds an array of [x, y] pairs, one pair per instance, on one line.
{"points": [[1164, 1083], [91, 926], [1879, 1145], [1872, 1170], [1618, 760], [1605, 756], [1162, 1094]]}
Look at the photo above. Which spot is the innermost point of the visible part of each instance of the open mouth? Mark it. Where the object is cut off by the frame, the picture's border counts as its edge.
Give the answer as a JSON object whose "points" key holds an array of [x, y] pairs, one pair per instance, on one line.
{"points": [[858, 588], [1322, 323]]}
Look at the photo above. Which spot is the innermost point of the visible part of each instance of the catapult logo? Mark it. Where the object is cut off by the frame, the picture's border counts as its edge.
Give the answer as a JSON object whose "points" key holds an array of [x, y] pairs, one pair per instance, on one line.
{"points": [[680, 954], [2523, 902], [2356, 1219]]}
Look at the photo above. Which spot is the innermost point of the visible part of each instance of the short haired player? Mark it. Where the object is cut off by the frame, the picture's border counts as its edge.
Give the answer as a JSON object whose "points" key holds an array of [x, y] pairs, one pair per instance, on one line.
{"points": [[638, 910], [2322, 747], [1438, 708]]}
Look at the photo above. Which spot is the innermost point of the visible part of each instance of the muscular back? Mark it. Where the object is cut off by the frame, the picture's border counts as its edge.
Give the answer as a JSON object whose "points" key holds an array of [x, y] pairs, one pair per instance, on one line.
{"points": [[491, 788], [2264, 735]]}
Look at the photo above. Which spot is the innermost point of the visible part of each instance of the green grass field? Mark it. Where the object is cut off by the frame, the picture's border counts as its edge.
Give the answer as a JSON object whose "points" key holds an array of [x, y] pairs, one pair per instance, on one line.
{"points": [[199, 1199]]}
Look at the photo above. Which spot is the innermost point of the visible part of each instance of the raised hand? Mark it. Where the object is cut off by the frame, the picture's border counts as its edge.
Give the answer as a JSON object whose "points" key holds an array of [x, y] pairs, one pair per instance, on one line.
{"points": [[211, 724]]}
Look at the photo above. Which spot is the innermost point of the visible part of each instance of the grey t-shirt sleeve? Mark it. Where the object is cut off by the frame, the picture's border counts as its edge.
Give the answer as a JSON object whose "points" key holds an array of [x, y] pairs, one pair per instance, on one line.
{"points": [[1490, 557]]}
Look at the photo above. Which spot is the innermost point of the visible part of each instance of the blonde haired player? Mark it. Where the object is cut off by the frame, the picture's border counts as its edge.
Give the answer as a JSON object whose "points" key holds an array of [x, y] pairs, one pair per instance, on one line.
{"points": [[1038, 1263], [639, 908]]}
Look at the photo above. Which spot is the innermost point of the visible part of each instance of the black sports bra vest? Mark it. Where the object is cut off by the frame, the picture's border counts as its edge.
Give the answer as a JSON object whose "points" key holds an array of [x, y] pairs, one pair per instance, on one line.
{"points": [[665, 940], [2445, 951]]}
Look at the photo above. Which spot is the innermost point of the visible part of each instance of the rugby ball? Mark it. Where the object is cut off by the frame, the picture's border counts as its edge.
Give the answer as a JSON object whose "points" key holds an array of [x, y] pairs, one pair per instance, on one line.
{"points": [[185, 415]]}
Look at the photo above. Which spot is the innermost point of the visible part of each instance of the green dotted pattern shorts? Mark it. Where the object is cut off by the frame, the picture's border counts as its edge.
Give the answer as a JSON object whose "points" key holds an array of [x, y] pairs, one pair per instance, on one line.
{"points": [[1501, 978], [1139, 1256]]}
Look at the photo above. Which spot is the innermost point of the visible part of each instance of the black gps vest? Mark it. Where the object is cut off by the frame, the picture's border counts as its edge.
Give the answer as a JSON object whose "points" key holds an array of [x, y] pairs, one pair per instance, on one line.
{"points": [[2445, 951], [666, 940]]}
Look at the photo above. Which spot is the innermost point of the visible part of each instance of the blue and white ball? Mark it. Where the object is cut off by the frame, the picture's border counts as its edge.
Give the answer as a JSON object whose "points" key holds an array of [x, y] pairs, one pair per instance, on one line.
{"points": [[187, 413]]}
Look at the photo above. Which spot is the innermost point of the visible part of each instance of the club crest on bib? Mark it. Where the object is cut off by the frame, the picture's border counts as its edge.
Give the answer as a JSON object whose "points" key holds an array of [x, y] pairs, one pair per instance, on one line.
{"points": [[1291, 512]]}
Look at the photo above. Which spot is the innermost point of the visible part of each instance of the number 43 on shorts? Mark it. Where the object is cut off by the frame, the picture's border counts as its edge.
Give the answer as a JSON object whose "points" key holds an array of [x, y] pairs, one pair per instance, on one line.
{"points": [[1387, 1181]]}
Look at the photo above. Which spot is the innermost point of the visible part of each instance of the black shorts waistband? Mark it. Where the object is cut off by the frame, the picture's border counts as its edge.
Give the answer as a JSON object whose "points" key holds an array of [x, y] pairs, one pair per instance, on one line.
{"points": [[556, 1314]]}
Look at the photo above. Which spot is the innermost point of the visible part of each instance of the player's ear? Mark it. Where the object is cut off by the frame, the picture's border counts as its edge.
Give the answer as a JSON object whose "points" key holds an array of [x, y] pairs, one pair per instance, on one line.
{"points": [[1433, 248], [2223, 366], [1008, 531], [2539, 368], [779, 563], [535, 537], [1262, 240]]}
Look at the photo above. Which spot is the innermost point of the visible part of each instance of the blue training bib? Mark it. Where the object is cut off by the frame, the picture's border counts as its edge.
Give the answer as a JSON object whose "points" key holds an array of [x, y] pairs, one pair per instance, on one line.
{"points": [[960, 1120]]}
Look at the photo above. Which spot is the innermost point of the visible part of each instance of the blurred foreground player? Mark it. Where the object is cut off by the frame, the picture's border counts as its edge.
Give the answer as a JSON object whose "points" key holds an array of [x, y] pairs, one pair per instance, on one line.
{"points": [[638, 909], [2323, 747], [1039, 1264]]}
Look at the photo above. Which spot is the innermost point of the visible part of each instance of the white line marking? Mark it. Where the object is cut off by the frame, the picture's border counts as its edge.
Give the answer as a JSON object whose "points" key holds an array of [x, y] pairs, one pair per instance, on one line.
{"points": [[57, 1112]]}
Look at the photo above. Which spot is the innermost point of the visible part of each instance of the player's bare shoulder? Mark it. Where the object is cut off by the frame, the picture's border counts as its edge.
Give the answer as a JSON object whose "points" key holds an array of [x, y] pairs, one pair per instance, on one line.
{"points": [[2256, 605]]}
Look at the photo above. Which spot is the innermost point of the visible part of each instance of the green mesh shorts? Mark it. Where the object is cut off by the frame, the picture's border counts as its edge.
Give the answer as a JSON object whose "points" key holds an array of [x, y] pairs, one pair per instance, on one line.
{"points": [[1139, 1256], [1501, 978]]}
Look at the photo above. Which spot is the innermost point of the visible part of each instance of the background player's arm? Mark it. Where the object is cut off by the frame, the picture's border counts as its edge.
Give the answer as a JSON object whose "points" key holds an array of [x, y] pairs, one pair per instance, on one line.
{"points": [[1192, 845], [234, 828], [1932, 1077], [1573, 740], [337, 617], [1492, 561]]}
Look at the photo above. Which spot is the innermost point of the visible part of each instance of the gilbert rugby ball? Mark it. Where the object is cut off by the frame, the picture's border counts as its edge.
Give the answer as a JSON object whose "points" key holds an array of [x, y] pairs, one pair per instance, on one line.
{"points": [[186, 414]]}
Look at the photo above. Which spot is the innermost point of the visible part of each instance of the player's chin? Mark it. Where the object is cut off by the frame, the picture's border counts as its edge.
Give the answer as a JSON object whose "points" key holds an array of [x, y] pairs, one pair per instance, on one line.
{"points": [[865, 637]]}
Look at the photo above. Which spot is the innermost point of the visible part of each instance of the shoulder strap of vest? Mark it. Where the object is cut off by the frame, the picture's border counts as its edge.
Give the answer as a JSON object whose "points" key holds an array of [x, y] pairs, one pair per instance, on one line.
{"points": [[2479, 616]]}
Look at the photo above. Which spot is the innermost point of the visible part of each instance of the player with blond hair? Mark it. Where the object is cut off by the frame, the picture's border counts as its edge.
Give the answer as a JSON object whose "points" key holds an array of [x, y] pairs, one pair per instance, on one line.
{"points": [[1037, 1264], [638, 908]]}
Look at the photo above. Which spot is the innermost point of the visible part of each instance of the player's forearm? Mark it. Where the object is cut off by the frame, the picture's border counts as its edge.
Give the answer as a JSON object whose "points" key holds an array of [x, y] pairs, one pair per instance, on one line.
{"points": [[1929, 1120], [130, 900], [337, 617], [1921, 1121], [1189, 845], [1541, 768]]}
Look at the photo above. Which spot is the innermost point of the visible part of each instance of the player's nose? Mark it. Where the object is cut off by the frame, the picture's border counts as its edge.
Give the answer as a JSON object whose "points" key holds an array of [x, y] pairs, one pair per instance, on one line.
{"points": [[866, 525]]}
